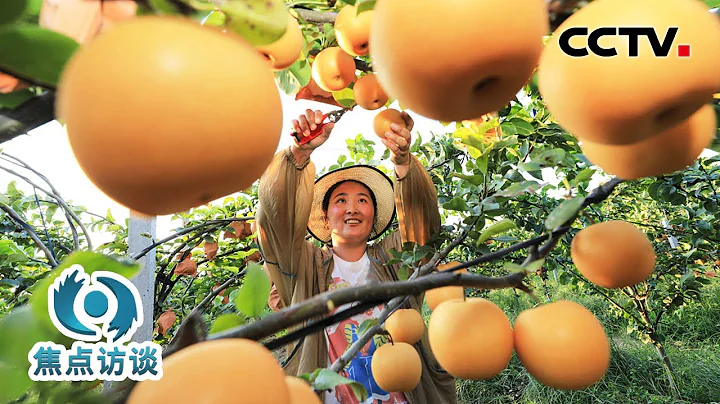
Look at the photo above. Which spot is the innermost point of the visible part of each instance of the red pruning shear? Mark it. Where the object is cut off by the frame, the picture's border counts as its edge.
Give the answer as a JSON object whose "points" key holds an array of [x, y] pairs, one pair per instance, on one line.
{"points": [[333, 117]]}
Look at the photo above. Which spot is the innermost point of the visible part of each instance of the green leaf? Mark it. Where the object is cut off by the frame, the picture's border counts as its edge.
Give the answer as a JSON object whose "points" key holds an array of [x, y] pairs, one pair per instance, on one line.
{"points": [[583, 175], [522, 127], [513, 267], [535, 265], [345, 97], [302, 71], [468, 137], [252, 297], [476, 180], [563, 212], [215, 19], [260, 22], [500, 227], [456, 204], [166, 6], [365, 326], [90, 262], [549, 158], [712, 3], [19, 331], [519, 188], [31, 52], [226, 322], [11, 10], [14, 381], [366, 5], [404, 273], [328, 379]]}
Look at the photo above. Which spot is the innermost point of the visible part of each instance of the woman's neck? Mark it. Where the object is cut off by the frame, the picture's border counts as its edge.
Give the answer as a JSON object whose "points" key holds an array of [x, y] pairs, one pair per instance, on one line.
{"points": [[349, 252]]}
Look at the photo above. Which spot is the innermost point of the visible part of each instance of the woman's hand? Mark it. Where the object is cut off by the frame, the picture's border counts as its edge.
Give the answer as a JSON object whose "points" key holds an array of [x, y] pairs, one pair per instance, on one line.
{"points": [[303, 125], [398, 140]]}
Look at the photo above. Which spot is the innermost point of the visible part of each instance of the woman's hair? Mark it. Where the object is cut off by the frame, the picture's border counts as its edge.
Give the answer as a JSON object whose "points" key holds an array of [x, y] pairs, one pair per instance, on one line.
{"points": [[326, 199]]}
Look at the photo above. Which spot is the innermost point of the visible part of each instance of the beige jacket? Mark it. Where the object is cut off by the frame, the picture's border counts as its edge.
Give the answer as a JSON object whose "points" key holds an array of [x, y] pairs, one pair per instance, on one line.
{"points": [[301, 270]]}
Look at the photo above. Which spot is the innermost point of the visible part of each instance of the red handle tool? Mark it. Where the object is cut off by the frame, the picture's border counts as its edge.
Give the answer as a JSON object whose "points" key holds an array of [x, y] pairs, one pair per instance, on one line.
{"points": [[332, 116]]}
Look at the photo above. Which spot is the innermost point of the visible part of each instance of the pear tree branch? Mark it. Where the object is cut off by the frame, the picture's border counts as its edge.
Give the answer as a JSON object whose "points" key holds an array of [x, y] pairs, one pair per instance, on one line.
{"points": [[33, 235], [70, 215]]}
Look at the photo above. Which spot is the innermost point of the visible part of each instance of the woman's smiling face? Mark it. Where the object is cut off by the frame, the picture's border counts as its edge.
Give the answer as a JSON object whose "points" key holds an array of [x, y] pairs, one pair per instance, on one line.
{"points": [[351, 213]]}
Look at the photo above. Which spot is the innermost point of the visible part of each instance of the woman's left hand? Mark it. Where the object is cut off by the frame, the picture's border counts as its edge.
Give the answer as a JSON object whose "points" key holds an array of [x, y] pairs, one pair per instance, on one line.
{"points": [[398, 140]]}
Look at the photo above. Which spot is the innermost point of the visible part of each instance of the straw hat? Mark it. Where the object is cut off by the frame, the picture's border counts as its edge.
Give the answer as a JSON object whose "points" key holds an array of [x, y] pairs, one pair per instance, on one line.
{"points": [[380, 185]]}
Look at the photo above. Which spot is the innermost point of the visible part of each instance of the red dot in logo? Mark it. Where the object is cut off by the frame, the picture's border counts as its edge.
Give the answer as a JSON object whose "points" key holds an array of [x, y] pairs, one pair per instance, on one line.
{"points": [[684, 51]]}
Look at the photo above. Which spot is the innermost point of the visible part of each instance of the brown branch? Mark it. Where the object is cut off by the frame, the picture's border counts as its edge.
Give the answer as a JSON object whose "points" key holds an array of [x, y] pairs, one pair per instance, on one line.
{"points": [[201, 306], [323, 304], [317, 17], [16, 217], [186, 231]]}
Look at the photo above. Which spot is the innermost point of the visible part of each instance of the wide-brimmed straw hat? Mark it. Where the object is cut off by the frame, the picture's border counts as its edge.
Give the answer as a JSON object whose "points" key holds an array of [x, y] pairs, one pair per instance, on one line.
{"points": [[380, 185]]}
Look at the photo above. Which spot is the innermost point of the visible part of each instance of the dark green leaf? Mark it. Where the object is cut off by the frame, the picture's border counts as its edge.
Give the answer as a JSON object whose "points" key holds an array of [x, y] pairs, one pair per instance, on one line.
{"points": [[476, 180], [564, 212], [252, 298], [11, 10], [328, 379], [456, 204], [35, 53]]}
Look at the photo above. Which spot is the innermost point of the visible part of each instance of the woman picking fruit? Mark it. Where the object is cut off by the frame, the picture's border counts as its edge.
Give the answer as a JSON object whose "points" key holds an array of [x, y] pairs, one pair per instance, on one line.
{"points": [[346, 209]]}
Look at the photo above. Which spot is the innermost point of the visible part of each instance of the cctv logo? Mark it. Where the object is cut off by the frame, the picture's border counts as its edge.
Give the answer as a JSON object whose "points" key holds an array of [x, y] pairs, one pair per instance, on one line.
{"points": [[633, 34], [77, 303]]}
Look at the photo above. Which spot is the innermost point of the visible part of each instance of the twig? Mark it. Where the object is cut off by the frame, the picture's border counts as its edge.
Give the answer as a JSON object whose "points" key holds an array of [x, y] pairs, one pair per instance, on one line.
{"points": [[322, 324], [186, 231], [201, 306], [53, 193], [709, 181], [608, 298], [317, 17], [324, 303], [14, 215]]}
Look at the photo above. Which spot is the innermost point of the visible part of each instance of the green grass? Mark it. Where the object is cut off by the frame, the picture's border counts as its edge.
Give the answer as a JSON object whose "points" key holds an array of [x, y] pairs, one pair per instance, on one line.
{"points": [[636, 374]]}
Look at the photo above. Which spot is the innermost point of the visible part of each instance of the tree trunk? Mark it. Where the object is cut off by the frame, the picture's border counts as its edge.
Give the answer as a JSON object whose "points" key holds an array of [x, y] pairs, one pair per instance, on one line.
{"points": [[667, 366]]}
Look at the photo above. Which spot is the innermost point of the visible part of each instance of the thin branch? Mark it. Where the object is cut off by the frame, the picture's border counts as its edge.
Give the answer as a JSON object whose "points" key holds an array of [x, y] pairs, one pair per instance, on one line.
{"points": [[16, 217], [53, 193], [201, 306], [317, 17], [608, 298], [709, 181], [186, 231], [322, 324], [324, 303]]}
